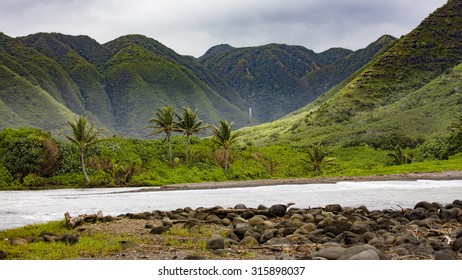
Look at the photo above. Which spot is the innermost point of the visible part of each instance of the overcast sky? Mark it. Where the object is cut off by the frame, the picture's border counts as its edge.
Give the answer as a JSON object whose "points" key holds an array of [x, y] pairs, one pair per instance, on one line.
{"points": [[190, 27]]}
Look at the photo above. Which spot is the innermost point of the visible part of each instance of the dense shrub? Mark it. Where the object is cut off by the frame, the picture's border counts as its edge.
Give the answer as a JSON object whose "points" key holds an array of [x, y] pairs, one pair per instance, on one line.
{"points": [[5, 177], [28, 150]]}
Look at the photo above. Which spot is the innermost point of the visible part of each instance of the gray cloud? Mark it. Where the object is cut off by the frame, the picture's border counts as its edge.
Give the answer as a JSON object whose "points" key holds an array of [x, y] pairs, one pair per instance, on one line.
{"points": [[191, 27]]}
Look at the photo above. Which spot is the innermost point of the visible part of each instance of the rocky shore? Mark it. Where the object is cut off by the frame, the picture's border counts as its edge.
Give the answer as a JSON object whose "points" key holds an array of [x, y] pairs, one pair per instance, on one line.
{"points": [[333, 232]]}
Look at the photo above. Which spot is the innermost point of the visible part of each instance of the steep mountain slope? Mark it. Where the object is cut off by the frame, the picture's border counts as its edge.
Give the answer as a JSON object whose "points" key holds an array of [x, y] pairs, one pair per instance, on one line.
{"points": [[278, 79], [410, 92], [118, 85], [24, 73]]}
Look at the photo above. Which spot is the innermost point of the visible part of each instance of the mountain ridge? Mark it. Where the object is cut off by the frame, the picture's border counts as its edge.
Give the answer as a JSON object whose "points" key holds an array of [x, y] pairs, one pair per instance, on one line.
{"points": [[407, 94]]}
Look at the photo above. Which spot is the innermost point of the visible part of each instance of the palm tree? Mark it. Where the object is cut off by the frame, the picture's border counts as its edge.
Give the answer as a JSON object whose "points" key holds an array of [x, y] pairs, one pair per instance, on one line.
{"points": [[164, 122], [224, 137], [189, 125], [398, 156], [317, 158], [83, 137]]}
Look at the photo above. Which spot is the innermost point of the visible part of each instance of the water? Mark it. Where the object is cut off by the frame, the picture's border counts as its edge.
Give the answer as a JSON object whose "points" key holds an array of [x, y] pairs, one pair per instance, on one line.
{"points": [[18, 208]]}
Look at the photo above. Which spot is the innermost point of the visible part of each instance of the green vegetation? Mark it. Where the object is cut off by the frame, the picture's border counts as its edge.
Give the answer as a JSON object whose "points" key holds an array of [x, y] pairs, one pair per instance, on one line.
{"points": [[317, 158], [276, 79], [164, 122], [189, 125], [404, 99], [83, 137], [224, 137], [88, 246]]}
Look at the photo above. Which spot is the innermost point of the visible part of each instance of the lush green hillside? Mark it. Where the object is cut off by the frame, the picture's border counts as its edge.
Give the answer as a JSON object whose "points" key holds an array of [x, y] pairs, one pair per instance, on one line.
{"points": [[48, 79], [407, 94], [277, 79]]}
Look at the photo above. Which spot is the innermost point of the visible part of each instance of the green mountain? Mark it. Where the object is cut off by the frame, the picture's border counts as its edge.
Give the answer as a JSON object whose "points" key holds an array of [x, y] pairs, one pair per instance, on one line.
{"points": [[406, 94], [48, 79], [275, 79]]}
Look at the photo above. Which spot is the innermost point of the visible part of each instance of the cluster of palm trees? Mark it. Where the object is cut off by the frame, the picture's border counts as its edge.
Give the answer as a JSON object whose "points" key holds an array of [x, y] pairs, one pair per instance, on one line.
{"points": [[167, 121]]}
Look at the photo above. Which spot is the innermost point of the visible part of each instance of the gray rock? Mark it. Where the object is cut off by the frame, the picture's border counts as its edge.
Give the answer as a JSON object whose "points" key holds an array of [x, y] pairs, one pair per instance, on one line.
{"points": [[295, 223], [19, 242], [226, 222], [139, 216], [277, 241], [267, 235], [450, 214], [191, 222], [215, 242], [330, 253], [415, 214], [338, 226], [333, 208], [357, 249], [38, 239], [407, 239], [445, 255], [277, 210], [262, 207], [348, 238], [212, 218], [422, 250], [3, 255], [309, 218], [50, 239], [248, 215], [457, 245], [324, 222], [249, 242], [288, 231], [361, 228], [400, 251], [440, 246], [266, 225], [240, 206], [239, 220], [306, 228], [366, 255], [159, 230], [231, 235], [241, 228], [68, 238], [256, 220], [425, 205], [253, 233], [298, 239]]}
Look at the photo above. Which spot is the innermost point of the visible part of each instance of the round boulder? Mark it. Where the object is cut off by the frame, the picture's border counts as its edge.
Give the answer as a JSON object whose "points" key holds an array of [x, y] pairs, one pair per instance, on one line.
{"points": [[68, 238], [416, 214], [277, 210], [333, 208], [215, 242], [425, 205], [249, 242]]}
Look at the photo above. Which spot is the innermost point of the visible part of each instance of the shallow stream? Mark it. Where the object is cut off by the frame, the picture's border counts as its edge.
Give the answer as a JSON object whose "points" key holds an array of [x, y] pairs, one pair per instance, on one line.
{"points": [[18, 208]]}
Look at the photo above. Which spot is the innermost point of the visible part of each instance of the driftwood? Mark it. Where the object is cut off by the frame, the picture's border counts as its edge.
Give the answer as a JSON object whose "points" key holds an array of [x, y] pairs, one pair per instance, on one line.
{"points": [[72, 222], [215, 210]]}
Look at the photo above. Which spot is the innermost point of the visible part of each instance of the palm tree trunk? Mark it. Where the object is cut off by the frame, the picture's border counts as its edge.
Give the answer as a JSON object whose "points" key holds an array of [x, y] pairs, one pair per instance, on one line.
{"points": [[170, 155], [226, 160], [82, 162], [187, 148]]}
